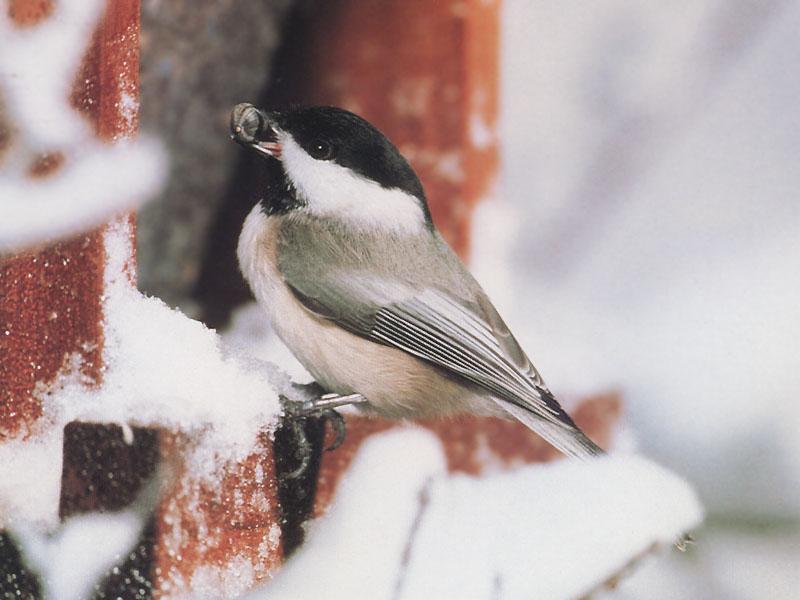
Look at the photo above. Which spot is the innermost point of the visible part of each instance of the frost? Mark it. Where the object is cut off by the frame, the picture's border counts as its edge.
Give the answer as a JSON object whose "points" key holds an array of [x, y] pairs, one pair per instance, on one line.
{"points": [[129, 107], [411, 532], [212, 582]]}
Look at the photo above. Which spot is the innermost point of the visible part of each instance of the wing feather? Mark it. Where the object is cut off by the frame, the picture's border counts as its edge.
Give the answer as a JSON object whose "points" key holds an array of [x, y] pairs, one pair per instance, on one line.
{"points": [[451, 330]]}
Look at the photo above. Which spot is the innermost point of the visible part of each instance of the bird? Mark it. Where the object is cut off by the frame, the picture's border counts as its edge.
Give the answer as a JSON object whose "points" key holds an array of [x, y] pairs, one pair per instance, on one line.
{"points": [[342, 254]]}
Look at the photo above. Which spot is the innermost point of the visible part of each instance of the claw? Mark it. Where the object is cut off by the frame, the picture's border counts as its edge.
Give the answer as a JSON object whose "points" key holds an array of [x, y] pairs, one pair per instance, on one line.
{"points": [[323, 407], [292, 409], [337, 422], [303, 449]]}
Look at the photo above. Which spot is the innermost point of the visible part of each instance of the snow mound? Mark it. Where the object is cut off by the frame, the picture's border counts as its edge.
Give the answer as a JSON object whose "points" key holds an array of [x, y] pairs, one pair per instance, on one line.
{"points": [[165, 370], [100, 540], [401, 528], [161, 370], [96, 183]]}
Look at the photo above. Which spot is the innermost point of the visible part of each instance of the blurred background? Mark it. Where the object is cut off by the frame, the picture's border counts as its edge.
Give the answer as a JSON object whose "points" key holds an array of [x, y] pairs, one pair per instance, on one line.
{"points": [[650, 177], [650, 165]]}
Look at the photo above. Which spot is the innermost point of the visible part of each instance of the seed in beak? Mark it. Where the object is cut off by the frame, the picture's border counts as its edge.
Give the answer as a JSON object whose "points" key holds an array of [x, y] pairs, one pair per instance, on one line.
{"points": [[252, 128], [247, 122]]}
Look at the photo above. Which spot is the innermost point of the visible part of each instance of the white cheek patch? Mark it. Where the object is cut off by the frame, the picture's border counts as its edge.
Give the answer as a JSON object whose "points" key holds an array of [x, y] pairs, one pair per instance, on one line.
{"points": [[335, 191]]}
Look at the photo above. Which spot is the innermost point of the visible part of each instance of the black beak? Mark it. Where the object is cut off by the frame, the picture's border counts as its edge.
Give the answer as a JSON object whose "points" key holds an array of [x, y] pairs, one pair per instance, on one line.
{"points": [[255, 129]]}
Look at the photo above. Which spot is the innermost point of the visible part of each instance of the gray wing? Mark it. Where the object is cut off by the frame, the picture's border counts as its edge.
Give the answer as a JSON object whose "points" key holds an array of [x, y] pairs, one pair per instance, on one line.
{"points": [[444, 319]]}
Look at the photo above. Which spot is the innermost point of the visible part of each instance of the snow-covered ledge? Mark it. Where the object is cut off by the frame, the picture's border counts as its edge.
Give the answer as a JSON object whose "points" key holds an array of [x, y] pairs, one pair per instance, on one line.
{"points": [[402, 528], [161, 370]]}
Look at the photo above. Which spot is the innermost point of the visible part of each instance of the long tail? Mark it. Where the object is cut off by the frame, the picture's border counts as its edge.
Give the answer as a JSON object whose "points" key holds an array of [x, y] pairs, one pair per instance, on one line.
{"points": [[563, 434]]}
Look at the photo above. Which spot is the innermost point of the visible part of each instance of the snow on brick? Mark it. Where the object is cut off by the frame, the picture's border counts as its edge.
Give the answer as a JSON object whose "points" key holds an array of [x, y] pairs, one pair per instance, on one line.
{"points": [[96, 181], [401, 528], [161, 369], [165, 370]]}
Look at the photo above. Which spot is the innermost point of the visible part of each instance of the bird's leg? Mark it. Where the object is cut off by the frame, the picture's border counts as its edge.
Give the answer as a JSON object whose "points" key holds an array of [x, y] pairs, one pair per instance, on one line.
{"points": [[323, 407], [317, 406]]}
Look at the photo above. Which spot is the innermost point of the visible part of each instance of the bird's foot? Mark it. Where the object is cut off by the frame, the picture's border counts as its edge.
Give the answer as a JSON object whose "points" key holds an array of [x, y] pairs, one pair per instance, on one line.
{"points": [[316, 406], [324, 407]]}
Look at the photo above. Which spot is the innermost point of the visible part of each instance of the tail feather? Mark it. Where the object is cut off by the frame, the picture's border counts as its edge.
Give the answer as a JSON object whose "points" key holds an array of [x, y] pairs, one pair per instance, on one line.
{"points": [[566, 437]]}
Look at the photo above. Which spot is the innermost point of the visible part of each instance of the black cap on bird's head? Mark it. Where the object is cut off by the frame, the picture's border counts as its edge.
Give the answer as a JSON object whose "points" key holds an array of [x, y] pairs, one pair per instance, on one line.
{"points": [[305, 138]]}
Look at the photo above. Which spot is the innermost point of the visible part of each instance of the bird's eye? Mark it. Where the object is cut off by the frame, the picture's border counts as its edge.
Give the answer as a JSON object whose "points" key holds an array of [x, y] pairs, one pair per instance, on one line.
{"points": [[321, 150]]}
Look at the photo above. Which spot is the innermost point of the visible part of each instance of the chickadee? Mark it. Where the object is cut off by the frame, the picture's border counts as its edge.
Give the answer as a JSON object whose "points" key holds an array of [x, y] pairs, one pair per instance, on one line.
{"points": [[343, 256]]}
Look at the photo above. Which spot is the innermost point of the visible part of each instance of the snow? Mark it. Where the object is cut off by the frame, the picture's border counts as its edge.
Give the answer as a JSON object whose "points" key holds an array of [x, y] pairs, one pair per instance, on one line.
{"points": [[723, 564], [481, 134], [161, 369], [30, 478], [411, 531], [210, 582], [355, 550], [645, 238], [98, 541], [449, 167], [150, 379], [528, 536], [495, 227], [37, 68], [97, 181]]}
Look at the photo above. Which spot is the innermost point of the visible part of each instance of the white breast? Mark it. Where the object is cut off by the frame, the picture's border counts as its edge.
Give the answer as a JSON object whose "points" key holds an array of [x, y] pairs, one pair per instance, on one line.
{"points": [[395, 383]]}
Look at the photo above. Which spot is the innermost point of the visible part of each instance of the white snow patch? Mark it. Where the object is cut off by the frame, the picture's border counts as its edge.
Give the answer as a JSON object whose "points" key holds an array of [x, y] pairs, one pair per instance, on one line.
{"points": [[401, 528], [128, 106], [725, 563], [166, 370], [210, 582], [96, 183], [161, 369], [37, 69], [250, 333], [449, 167], [38, 65], [495, 226], [354, 551], [85, 547], [512, 534], [30, 478]]}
